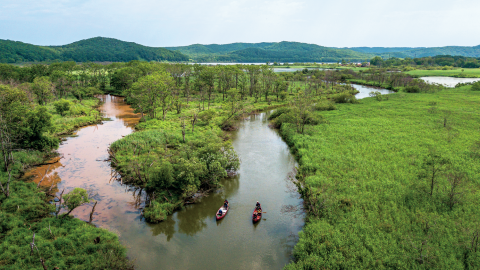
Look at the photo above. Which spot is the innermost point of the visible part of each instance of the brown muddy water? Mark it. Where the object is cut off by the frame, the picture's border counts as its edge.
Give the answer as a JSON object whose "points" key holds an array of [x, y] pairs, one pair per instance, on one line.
{"points": [[190, 238]]}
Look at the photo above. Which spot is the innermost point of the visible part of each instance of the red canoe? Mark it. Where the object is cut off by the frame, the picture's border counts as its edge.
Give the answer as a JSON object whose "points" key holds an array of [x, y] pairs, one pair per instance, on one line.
{"points": [[256, 218], [224, 212]]}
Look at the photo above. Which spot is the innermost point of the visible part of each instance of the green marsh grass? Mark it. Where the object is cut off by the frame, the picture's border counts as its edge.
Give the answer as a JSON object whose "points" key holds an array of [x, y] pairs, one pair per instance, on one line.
{"points": [[363, 177]]}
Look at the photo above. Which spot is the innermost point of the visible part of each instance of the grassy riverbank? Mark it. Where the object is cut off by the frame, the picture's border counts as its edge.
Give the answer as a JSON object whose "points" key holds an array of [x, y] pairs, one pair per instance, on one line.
{"points": [[365, 175]]}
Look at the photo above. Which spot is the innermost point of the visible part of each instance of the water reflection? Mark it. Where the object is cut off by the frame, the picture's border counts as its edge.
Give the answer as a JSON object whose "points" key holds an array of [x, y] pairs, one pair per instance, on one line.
{"points": [[193, 218], [167, 227], [82, 164], [449, 81], [364, 91]]}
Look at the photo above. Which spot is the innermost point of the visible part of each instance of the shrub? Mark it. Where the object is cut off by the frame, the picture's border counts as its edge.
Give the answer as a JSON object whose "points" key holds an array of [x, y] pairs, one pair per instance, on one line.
{"points": [[62, 106], [476, 86], [344, 98], [325, 105], [278, 112], [205, 117], [378, 95], [412, 89], [157, 212]]}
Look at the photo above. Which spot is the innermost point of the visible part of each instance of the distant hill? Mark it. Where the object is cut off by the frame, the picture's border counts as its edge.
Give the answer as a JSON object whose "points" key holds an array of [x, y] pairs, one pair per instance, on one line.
{"points": [[16, 52], [379, 50], [269, 52], [449, 50], [102, 49], [403, 52], [210, 51], [97, 49]]}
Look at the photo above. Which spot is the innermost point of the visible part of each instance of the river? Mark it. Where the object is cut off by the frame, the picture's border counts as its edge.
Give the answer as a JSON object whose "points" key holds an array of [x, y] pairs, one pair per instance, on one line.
{"points": [[190, 238]]}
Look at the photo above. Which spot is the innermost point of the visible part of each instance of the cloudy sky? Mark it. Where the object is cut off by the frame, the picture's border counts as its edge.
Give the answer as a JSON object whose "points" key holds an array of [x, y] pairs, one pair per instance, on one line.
{"points": [[158, 23]]}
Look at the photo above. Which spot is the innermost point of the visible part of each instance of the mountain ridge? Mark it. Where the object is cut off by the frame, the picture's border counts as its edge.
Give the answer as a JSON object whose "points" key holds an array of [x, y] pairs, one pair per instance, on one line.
{"points": [[97, 49], [101, 49]]}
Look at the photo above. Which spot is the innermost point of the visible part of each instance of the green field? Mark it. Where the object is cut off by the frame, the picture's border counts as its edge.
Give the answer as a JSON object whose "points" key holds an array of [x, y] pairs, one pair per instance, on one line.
{"points": [[366, 180], [459, 72]]}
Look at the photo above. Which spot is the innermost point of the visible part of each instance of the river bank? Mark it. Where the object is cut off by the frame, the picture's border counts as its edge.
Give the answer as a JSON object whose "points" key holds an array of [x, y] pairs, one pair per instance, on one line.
{"points": [[62, 242]]}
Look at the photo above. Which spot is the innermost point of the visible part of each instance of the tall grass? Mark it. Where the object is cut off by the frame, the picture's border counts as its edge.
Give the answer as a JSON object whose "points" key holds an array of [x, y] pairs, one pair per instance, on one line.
{"points": [[364, 178]]}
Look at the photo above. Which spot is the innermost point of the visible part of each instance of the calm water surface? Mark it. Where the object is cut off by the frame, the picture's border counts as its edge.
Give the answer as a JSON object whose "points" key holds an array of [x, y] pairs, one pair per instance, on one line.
{"points": [[298, 69], [449, 81], [190, 238], [364, 91]]}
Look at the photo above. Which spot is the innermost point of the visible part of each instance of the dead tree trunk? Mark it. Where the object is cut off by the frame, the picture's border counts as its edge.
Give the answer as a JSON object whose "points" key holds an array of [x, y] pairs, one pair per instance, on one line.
{"points": [[91, 213]]}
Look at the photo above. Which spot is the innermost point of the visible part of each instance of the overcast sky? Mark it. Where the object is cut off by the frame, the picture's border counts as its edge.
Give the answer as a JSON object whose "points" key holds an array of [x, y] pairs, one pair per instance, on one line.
{"points": [[158, 23]]}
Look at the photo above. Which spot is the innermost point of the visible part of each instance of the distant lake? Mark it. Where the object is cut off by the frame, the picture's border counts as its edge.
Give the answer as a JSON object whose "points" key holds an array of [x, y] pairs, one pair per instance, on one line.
{"points": [[449, 81], [227, 64], [297, 69]]}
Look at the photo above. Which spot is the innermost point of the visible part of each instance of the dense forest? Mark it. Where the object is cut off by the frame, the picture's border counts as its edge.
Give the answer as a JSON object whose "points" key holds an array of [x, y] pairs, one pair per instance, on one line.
{"points": [[97, 49]]}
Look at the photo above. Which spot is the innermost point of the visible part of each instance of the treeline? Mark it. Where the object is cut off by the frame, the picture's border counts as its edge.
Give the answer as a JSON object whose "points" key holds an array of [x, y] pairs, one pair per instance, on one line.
{"points": [[90, 50], [439, 60]]}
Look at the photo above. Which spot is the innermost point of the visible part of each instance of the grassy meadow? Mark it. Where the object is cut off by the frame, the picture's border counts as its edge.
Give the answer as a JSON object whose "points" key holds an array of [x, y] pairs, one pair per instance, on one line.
{"points": [[366, 177], [458, 72]]}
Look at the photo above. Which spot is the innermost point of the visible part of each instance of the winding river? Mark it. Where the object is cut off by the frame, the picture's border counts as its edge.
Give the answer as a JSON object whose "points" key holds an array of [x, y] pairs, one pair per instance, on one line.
{"points": [[190, 238]]}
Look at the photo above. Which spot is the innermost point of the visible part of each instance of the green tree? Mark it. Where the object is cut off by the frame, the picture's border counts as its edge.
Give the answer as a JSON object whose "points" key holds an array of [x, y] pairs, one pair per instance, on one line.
{"points": [[161, 177], [14, 106], [72, 200], [377, 61], [433, 164], [302, 108], [43, 89], [37, 123], [151, 92], [62, 106], [85, 92]]}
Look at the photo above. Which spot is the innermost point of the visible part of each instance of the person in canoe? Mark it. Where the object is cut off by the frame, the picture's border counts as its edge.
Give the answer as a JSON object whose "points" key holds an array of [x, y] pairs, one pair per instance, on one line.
{"points": [[220, 212], [258, 207], [226, 204]]}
